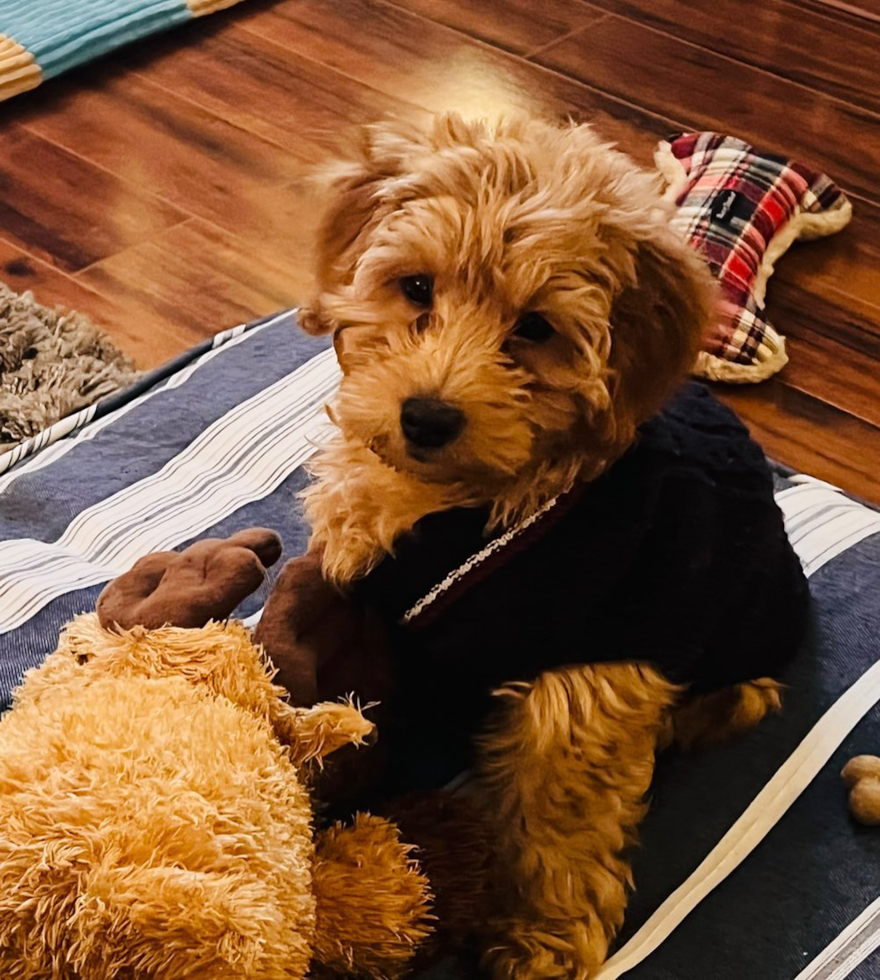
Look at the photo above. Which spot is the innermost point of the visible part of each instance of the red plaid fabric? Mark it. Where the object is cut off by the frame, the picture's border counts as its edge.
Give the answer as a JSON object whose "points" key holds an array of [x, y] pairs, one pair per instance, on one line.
{"points": [[742, 209]]}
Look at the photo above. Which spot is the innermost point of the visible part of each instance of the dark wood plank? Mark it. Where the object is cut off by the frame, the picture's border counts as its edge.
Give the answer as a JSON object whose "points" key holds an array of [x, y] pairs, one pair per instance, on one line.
{"points": [[703, 90], [394, 51], [61, 208], [809, 435], [841, 270], [52, 287], [267, 89], [816, 48], [445, 70], [166, 144], [280, 226], [860, 12], [379, 52], [196, 278], [516, 26], [838, 375], [799, 313]]}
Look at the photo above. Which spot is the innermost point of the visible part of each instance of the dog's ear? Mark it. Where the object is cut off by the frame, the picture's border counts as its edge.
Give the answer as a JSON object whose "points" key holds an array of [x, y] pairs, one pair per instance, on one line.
{"points": [[350, 199], [351, 204], [658, 322]]}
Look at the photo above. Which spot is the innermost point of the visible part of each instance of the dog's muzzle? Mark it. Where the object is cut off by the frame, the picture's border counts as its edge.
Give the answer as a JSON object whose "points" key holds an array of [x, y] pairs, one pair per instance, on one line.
{"points": [[429, 423]]}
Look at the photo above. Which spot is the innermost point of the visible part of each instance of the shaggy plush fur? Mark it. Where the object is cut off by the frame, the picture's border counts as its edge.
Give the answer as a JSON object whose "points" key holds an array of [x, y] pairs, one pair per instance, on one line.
{"points": [[354, 910], [152, 823], [146, 886], [51, 364], [525, 274]]}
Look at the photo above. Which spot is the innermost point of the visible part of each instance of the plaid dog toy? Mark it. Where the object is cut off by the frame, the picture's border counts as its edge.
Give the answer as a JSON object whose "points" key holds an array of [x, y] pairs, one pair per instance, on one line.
{"points": [[742, 209]]}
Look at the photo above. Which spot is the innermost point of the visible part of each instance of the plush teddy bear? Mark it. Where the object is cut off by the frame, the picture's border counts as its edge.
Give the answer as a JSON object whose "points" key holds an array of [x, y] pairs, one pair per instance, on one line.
{"points": [[155, 819], [861, 776]]}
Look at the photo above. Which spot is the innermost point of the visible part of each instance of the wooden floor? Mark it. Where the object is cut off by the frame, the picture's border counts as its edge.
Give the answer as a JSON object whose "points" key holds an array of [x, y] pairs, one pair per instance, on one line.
{"points": [[160, 191]]}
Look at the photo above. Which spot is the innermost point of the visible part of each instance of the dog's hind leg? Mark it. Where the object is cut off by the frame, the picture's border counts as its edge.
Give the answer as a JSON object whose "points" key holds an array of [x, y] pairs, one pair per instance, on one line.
{"points": [[708, 719], [565, 769]]}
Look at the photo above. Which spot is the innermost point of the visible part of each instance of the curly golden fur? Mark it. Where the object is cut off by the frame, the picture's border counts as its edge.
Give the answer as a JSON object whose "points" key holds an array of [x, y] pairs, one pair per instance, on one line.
{"points": [[588, 738], [436, 250], [519, 216]]}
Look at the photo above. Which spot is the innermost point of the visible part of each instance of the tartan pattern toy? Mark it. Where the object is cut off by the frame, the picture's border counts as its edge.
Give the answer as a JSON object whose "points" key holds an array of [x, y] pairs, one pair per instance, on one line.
{"points": [[742, 209]]}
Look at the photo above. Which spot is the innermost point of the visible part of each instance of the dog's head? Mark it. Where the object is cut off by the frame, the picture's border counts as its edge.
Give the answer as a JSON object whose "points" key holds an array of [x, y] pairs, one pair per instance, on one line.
{"points": [[503, 298]]}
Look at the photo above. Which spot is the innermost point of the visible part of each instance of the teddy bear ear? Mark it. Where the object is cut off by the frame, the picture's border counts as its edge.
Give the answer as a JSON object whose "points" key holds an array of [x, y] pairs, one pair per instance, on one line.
{"points": [[189, 588]]}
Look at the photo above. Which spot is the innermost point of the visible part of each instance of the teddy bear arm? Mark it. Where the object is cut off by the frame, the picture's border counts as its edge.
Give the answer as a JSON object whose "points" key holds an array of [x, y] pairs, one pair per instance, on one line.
{"points": [[314, 733], [372, 900]]}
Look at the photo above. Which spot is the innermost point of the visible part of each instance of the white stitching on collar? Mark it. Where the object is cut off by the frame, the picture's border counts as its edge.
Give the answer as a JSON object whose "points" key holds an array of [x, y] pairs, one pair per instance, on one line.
{"points": [[474, 561]]}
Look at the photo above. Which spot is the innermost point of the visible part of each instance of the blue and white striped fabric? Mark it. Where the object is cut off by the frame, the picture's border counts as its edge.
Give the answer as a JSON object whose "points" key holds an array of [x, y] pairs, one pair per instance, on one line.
{"points": [[214, 446], [750, 867]]}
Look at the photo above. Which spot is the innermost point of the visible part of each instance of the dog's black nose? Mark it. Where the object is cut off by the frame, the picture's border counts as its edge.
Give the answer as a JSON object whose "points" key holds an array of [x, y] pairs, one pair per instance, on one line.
{"points": [[429, 423]]}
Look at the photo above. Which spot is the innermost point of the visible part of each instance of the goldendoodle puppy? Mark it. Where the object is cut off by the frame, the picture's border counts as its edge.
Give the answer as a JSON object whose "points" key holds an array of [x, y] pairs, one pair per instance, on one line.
{"points": [[519, 490]]}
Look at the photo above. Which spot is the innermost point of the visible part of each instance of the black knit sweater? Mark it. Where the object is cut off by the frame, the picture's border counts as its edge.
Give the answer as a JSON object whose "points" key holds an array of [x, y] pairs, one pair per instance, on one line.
{"points": [[677, 556]]}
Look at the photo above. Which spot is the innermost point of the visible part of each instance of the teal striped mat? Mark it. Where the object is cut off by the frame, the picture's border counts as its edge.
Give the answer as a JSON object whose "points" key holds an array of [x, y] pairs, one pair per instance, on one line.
{"points": [[43, 38]]}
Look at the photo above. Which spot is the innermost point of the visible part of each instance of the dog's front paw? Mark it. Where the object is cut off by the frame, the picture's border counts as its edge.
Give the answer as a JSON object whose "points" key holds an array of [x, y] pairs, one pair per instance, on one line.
{"points": [[568, 950]]}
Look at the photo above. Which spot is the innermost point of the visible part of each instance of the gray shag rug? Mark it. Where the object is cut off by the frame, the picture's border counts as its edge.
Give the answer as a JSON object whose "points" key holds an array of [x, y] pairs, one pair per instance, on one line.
{"points": [[52, 363]]}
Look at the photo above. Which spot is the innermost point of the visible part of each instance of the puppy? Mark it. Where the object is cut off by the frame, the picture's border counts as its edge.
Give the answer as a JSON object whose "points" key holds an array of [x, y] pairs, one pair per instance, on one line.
{"points": [[564, 557]]}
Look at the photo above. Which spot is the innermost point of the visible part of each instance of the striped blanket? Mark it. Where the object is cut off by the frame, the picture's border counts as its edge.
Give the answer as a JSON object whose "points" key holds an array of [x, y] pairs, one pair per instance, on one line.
{"points": [[43, 38], [750, 867]]}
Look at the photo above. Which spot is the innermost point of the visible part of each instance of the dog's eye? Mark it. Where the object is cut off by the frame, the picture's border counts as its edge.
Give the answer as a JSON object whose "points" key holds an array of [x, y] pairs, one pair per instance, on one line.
{"points": [[419, 289], [533, 327]]}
